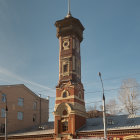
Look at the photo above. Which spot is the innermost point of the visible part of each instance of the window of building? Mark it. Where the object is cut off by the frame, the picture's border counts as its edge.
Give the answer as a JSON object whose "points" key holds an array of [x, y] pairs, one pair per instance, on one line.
{"points": [[65, 126], [64, 94], [34, 105], [2, 112], [34, 118], [3, 98], [2, 128], [110, 122], [20, 115], [20, 101], [65, 68]]}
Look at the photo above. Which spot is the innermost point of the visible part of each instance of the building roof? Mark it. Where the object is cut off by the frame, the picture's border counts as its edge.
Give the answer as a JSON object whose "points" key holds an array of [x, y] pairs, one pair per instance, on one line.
{"points": [[2, 87], [121, 122], [113, 123], [36, 132], [44, 129]]}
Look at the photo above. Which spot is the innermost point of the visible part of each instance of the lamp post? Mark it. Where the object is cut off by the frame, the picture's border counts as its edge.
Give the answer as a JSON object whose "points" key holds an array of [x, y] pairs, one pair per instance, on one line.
{"points": [[40, 108], [6, 109], [104, 110]]}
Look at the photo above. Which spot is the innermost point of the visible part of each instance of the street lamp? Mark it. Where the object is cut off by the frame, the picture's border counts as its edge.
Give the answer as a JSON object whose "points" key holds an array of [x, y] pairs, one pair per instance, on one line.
{"points": [[6, 109], [104, 110], [40, 108]]}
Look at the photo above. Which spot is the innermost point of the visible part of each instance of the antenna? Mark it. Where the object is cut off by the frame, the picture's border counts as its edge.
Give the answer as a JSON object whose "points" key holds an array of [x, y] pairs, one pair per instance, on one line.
{"points": [[69, 13]]}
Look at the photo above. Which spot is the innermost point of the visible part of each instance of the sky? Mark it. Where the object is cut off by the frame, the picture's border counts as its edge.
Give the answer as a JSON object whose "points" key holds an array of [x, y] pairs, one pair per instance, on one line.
{"points": [[29, 48]]}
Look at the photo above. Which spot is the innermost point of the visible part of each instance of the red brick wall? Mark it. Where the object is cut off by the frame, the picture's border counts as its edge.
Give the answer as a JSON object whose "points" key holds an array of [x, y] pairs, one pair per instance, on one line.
{"points": [[38, 137], [69, 101], [80, 121]]}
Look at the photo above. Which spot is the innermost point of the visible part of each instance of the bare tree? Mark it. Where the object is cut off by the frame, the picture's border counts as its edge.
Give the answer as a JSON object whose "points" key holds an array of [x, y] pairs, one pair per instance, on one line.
{"points": [[112, 107], [129, 95], [91, 108], [93, 112]]}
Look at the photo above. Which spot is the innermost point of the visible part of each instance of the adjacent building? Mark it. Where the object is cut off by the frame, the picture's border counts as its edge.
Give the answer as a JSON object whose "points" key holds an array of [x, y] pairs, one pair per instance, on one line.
{"points": [[122, 127], [25, 109], [119, 127]]}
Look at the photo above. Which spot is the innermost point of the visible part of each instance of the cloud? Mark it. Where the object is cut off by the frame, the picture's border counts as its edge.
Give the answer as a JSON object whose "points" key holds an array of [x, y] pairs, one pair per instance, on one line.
{"points": [[7, 76]]}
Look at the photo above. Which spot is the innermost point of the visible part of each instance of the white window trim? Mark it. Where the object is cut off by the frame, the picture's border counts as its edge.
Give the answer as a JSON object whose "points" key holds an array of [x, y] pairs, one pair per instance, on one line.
{"points": [[34, 105], [20, 101], [20, 115], [3, 97], [3, 113]]}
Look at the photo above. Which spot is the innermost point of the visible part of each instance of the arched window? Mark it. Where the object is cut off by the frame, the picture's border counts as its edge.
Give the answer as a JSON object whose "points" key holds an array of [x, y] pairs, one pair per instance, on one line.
{"points": [[64, 94]]}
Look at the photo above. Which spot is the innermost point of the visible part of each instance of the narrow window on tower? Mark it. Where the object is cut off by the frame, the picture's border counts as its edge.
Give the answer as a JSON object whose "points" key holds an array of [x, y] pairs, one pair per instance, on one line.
{"points": [[77, 46], [73, 62], [73, 44], [65, 94], [65, 68]]}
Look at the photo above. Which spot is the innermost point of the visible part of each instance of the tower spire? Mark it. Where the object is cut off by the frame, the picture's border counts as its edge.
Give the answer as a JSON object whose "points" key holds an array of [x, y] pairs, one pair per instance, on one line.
{"points": [[69, 13]]}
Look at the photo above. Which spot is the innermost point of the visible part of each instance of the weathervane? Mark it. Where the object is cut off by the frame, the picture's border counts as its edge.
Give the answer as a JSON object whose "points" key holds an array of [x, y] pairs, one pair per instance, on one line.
{"points": [[69, 13]]}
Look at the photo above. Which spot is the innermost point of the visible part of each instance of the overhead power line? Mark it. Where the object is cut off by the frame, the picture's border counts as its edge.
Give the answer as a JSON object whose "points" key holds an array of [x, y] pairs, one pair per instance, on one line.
{"points": [[110, 89], [92, 102], [106, 79], [113, 78]]}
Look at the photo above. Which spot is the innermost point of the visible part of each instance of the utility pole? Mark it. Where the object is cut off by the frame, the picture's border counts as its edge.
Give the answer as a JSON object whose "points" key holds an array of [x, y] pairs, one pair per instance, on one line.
{"points": [[104, 110], [40, 108], [6, 110]]}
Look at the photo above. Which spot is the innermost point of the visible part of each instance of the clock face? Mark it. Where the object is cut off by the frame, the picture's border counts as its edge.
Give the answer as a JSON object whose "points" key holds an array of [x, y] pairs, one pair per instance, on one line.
{"points": [[66, 44]]}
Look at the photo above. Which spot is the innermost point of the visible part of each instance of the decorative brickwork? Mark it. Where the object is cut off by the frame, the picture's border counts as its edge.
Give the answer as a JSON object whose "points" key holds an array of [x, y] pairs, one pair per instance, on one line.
{"points": [[69, 112]]}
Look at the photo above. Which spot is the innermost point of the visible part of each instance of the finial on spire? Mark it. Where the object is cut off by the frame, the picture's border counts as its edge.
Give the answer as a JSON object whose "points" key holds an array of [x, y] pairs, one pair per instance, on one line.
{"points": [[69, 13]]}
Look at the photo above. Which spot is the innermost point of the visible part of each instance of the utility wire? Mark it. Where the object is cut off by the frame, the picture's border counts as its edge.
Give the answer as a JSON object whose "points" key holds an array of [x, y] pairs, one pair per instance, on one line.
{"points": [[113, 78], [110, 89], [92, 102], [106, 79]]}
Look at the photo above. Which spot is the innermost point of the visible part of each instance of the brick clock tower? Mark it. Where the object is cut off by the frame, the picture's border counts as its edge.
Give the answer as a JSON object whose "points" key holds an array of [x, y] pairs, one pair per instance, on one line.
{"points": [[70, 113]]}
